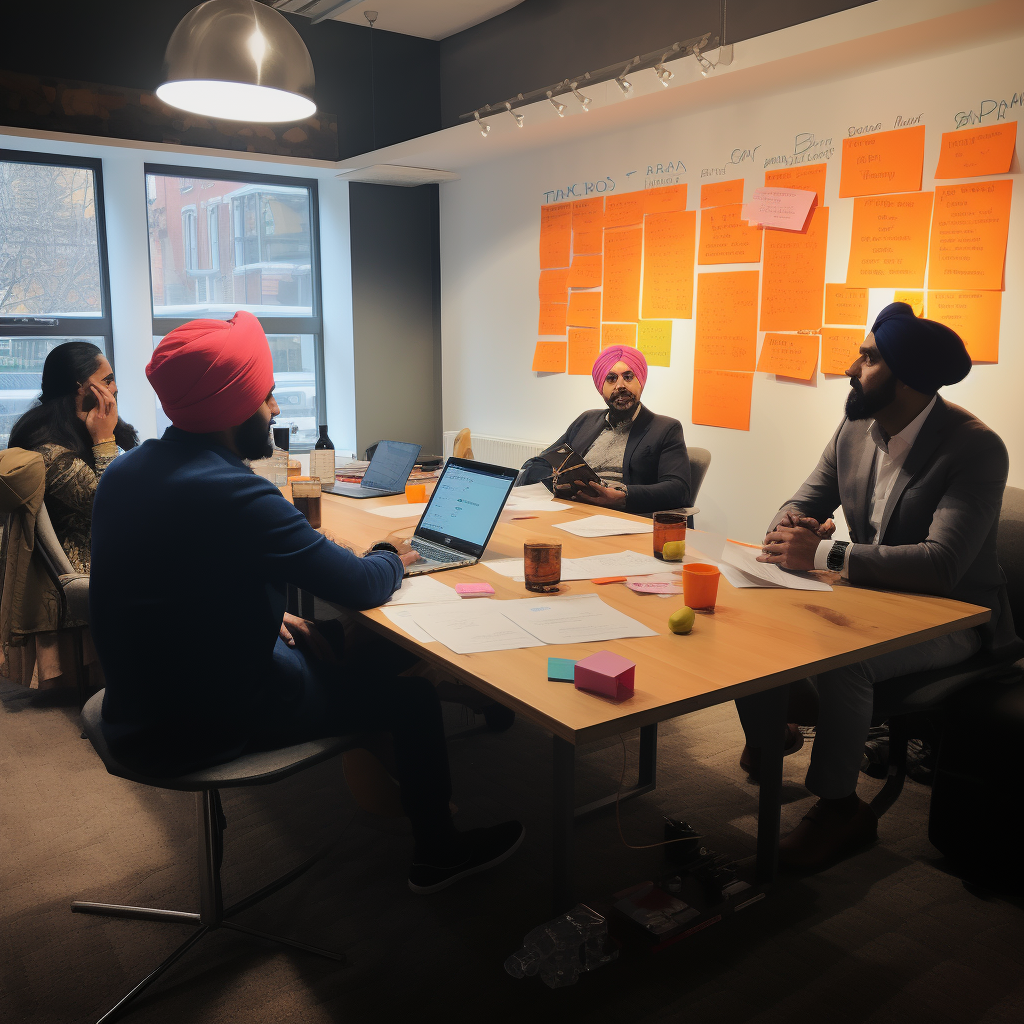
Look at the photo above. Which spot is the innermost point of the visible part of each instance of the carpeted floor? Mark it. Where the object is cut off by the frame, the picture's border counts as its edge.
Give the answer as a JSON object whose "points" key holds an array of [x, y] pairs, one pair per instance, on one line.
{"points": [[888, 936]]}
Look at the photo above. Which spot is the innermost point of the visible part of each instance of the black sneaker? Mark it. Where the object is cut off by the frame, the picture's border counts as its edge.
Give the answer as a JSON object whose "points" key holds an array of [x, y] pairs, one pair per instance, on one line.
{"points": [[489, 847]]}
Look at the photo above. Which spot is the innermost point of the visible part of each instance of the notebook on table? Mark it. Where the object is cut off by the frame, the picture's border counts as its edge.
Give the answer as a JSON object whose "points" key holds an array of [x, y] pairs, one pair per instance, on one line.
{"points": [[387, 473]]}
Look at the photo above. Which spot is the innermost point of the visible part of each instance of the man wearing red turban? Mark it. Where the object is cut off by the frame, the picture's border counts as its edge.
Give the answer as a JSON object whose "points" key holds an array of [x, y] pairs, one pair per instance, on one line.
{"points": [[192, 555], [639, 456]]}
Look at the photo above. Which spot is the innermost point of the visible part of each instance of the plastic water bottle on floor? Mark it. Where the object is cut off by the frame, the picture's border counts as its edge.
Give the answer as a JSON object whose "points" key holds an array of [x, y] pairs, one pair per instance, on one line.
{"points": [[561, 948]]}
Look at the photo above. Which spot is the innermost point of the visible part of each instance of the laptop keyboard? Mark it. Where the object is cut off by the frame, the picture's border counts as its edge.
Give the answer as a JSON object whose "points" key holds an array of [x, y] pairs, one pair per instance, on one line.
{"points": [[436, 553]]}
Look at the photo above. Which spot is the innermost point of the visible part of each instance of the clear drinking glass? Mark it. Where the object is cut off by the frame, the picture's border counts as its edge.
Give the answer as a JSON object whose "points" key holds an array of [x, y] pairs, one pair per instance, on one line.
{"points": [[542, 562], [668, 526]]}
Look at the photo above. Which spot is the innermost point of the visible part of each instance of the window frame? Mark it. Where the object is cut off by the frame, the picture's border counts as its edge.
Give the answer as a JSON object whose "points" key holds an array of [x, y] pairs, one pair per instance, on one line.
{"points": [[66, 326], [298, 325]]}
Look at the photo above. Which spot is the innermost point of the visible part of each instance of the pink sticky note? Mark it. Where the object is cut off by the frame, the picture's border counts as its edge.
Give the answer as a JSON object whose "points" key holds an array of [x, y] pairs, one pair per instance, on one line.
{"points": [[655, 588], [606, 673], [780, 207], [473, 589]]}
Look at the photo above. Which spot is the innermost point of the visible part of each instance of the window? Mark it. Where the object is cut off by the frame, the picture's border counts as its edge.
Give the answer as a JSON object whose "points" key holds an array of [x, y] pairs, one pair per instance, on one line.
{"points": [[53, 269], [268, 265]]}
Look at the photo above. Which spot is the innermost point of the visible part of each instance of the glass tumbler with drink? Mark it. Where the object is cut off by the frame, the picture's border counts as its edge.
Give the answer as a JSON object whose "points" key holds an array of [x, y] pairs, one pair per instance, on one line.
{"points": [[306, 498], [669, 529], [542, 565]]}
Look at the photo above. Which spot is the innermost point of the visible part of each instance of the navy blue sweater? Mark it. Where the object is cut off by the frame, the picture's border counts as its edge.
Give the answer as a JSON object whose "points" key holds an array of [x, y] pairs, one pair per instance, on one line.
{"points": [[191, 554]]}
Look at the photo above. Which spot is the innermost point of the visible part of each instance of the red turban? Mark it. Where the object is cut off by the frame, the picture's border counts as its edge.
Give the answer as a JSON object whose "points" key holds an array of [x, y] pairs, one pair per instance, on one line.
{"points": [[211, 375], [632, 357]]}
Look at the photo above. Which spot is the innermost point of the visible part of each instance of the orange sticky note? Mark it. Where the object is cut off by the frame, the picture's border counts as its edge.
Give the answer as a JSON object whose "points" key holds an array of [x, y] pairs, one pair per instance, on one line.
{"points": [[549, 357], [654, 339], [618, 334], [721, 398], [584, 309], [726, 335], [555, 235], [726, 238], [585, 272], [624, 211], [976, 151], [974, 316], [668, 265], [845, 305], [583, 346], [839, 349], [588, 225], [969, 230], [883, 162], [667, 199], [552, 318], [794, 275], [621, 280], [808, 176], [789, 355], [889, 244], [913, 299], [721, 193], [553, 286]]}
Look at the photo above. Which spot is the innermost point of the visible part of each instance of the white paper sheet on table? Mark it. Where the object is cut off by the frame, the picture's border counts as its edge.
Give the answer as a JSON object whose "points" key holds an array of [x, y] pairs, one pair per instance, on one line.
{"points": [[472, 627], [745, 559], [572, 619], [531, 491], [402, 618], [535, 505], [422, 590], [591, 567], [413, 510], [603, 526]]}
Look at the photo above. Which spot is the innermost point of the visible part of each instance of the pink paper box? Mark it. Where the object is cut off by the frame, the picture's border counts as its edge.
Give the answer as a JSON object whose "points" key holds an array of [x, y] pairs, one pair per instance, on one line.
{"points": [[606, 673]]}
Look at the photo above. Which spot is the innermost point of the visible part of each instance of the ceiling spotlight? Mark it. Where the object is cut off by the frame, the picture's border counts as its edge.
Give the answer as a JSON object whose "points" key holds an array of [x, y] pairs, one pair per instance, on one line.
{"points": [[664, 75], [518, 117], [585, 101], [484, 128], [624, 84], [559, 107]]}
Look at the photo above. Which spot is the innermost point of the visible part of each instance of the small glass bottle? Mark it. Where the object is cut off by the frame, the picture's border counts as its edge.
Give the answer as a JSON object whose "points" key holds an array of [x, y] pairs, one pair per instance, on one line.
{"points": [[321, 458]]}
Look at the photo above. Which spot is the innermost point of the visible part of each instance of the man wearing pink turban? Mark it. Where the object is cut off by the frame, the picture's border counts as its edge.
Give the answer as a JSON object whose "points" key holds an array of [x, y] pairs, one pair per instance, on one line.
{"points": [[639, 456], [192, 556]]}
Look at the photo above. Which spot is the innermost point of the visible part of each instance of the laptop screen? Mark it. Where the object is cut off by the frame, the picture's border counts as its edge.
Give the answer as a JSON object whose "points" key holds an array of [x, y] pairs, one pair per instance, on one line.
{"points": [[465, 504], [391, 465]]}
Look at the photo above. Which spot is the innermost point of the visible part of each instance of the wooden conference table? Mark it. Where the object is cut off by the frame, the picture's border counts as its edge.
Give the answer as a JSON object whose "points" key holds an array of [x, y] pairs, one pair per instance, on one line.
{"points": [[755, 643]]}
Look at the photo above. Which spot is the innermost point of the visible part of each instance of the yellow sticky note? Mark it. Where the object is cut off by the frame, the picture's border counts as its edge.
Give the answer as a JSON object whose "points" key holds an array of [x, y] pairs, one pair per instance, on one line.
{"points": [[549, 357], [654, 339]]}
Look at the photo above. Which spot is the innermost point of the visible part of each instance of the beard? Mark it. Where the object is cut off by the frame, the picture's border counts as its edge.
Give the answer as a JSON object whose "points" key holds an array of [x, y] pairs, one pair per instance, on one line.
{"points": [[616, 413], [252, 438], [861, 405]]}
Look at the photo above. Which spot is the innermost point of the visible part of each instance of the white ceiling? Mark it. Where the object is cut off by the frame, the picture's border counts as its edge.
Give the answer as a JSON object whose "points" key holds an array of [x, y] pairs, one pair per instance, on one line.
{"points": [[429, 19]]}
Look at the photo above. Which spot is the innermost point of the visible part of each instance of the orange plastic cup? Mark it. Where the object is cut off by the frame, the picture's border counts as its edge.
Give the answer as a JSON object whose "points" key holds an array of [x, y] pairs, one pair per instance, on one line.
{"points": [[700, 586], [415, 493]]}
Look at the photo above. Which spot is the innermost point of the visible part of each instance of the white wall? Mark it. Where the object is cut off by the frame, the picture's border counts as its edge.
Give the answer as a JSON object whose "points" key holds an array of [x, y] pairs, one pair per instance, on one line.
{"points": [[124, 196], [489, 233]]}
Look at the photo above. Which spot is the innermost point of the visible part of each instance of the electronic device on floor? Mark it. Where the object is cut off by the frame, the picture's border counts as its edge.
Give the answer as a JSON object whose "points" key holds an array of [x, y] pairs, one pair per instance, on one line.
{"points": [[460, 516]]}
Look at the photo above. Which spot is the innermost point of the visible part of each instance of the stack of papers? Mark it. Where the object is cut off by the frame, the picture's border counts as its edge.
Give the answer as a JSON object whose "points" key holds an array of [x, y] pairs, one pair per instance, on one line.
{"points": [[592, 567], [603, 526], [423, 590], [739, 565]]}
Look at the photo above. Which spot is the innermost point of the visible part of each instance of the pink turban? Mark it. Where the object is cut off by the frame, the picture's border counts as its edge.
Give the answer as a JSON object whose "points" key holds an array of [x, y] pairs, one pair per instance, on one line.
{"points": [[212, 374], [632, 357]]}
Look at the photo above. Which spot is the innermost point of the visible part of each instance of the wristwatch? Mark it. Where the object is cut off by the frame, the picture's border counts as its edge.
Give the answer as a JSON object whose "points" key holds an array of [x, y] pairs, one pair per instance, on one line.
{"points": [[383, 545], [837, 556]]}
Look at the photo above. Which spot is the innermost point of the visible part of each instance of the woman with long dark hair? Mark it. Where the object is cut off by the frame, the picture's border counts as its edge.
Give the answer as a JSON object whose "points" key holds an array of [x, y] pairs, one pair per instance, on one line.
{"points": [[76, 429]]}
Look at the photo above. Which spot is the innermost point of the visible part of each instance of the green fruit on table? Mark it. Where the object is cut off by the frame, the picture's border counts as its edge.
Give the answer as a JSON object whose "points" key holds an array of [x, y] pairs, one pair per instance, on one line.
{"points": [[681, 620], [673, 550]]}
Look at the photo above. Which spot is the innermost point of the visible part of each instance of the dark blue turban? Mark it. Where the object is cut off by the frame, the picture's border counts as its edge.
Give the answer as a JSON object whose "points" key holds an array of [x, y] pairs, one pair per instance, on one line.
{"points": [[924, 354]]}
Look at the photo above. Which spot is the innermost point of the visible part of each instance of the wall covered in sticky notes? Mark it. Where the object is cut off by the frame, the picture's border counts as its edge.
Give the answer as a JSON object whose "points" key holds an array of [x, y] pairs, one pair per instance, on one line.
{"points": [[748, 333]]}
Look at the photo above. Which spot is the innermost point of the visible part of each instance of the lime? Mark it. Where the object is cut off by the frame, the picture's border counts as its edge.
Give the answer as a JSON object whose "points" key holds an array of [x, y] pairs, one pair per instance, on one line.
{"points": [[673, 550], [681, 620]]}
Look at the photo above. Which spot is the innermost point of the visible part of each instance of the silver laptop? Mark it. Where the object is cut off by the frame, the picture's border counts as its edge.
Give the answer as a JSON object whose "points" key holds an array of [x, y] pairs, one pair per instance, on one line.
{"points": [[386, 474], [460, 516]]}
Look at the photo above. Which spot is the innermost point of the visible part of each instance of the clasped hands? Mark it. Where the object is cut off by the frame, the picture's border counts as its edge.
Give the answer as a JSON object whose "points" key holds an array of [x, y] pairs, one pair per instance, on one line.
{"points": [[794, 541], [597, 494]]}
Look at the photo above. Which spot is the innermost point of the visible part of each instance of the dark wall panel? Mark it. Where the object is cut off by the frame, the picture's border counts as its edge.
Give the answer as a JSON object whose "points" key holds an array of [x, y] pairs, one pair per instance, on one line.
{"points": [[540, 42], [396, 314]]}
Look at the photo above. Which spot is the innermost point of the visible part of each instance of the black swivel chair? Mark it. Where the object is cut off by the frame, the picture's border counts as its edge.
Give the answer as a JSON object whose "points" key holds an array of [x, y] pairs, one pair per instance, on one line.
{"points": [[903, 701], [248, 770]]}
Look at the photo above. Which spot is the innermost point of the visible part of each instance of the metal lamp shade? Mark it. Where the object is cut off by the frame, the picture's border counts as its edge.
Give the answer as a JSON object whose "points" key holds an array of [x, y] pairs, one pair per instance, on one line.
{"points": [[238, 60]]}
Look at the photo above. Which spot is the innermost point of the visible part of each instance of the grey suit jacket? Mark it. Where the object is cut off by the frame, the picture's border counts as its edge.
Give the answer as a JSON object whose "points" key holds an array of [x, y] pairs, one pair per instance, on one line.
{"points": [[938, 529]]}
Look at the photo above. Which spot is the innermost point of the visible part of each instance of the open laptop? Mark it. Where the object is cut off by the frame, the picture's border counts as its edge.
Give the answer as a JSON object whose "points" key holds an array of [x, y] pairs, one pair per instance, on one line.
{"points": [[460, 516], [387, 473]]}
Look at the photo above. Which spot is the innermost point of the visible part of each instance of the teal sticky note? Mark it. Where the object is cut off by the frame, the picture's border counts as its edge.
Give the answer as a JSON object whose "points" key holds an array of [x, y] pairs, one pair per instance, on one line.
{"points": [[561, 670]]}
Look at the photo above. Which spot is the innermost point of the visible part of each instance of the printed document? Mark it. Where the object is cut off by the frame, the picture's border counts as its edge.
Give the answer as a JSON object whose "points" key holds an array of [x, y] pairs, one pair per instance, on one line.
{"points": [[572, 619], [603, 526], [473, 627], [422, 590]]}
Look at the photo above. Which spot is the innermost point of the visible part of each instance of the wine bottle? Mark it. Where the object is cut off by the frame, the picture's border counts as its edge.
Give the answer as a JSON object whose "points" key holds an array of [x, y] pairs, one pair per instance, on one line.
{"points": [[321, 458]]}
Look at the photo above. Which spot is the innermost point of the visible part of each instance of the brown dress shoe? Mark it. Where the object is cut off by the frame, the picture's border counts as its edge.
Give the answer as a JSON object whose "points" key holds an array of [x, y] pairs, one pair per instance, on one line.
{"points": [[750, 759], [826, 835]]}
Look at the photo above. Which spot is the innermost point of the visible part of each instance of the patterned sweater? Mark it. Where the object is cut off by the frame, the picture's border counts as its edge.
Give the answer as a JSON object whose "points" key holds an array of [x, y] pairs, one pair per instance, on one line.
{"points": [[70, 489]]}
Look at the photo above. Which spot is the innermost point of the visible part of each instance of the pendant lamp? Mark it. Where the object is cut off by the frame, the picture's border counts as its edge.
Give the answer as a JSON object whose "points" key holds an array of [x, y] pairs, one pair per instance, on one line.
{"points": [[239, 60]]}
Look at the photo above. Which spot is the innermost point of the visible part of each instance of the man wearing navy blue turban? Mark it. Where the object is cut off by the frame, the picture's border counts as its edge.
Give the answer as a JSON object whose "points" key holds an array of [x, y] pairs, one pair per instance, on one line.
{"points": [[920, 482]]}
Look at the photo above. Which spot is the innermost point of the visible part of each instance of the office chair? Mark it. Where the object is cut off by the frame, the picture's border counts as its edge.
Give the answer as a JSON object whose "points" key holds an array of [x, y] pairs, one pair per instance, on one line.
{"points": [[902, 701], [257, 769]]}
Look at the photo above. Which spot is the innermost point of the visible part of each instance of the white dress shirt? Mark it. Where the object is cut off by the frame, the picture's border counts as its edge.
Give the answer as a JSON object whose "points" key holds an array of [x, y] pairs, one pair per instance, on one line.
{"points": [[889, 461]]}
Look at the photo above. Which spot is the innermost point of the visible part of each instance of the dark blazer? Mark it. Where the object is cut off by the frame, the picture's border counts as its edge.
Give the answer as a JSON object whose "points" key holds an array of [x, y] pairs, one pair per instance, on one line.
{"points": [[655, 466], [938, 529]]}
